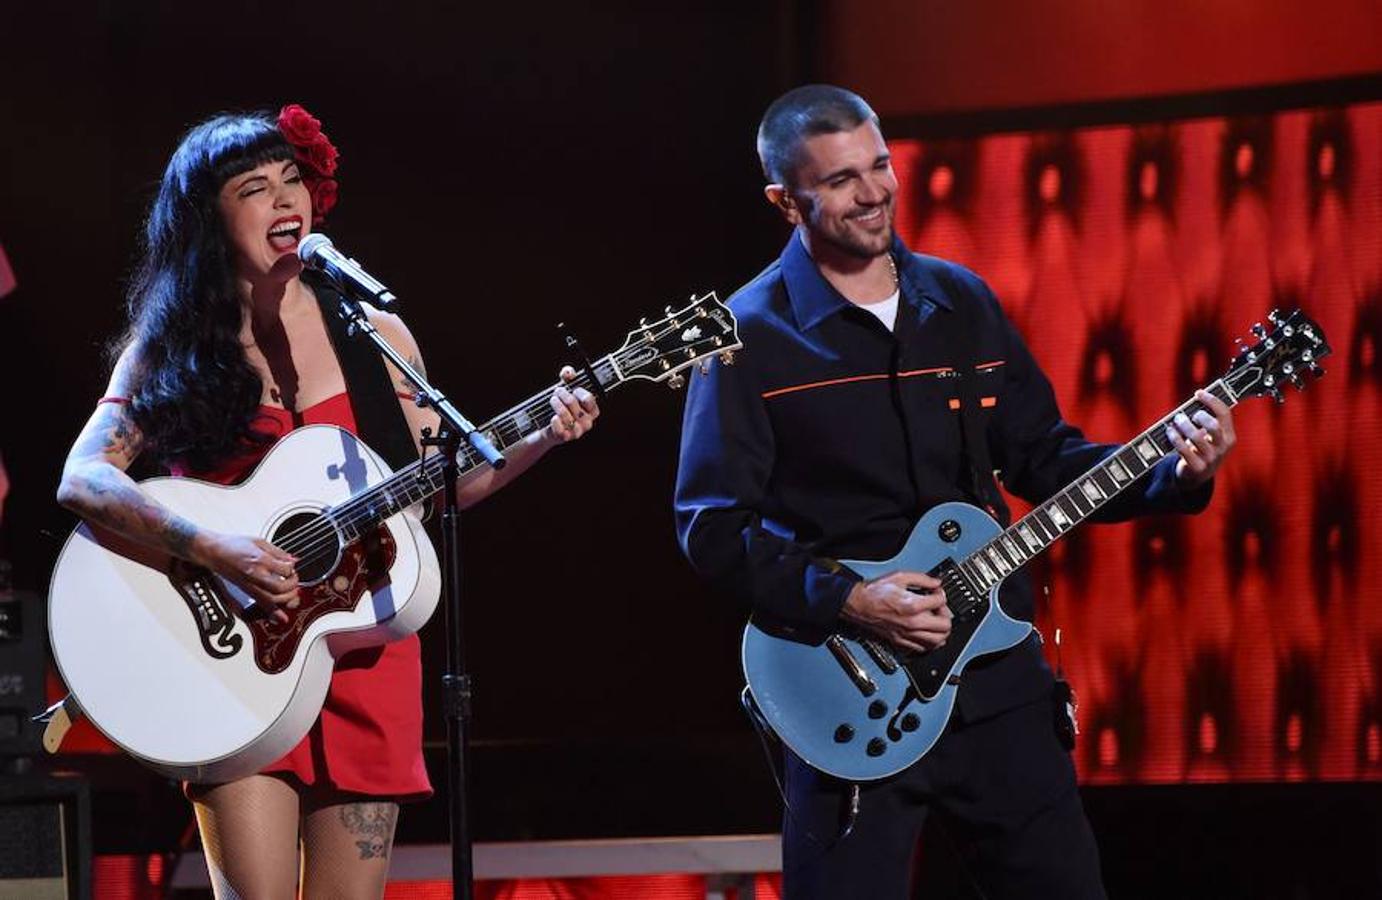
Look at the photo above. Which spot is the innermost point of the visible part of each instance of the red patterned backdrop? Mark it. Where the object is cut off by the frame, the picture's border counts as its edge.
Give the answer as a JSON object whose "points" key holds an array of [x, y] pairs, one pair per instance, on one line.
{"points": [[1244, 644]]}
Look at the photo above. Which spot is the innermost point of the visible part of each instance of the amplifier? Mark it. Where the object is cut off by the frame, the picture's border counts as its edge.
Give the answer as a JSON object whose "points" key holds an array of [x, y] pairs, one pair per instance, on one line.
{"points": [[23, 639], [45, 838]]}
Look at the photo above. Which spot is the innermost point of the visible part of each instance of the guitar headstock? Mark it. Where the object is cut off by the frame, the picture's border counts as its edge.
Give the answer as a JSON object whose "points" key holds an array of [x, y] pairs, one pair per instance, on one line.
{"points": [[1285, 354], [658, 351]]}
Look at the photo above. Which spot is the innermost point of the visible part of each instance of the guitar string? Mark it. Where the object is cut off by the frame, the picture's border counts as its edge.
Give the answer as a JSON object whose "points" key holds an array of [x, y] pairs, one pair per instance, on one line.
{"points": [[323, 541], [976, 580], [321, 534], [347, 512], [322, 529]]}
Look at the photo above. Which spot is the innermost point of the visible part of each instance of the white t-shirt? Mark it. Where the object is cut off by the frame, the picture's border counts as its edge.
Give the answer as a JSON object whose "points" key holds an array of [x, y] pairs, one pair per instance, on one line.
{"points": [[885, 309]]}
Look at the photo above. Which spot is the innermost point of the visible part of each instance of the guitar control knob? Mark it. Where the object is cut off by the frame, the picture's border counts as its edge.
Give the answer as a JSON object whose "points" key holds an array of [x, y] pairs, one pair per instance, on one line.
{"points": [[876, 746], [910, 722], [878, 709], [844, 734]]}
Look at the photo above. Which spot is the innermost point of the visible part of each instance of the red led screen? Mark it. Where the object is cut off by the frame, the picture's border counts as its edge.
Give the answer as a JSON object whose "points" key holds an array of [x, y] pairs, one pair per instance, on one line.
{"points": [[1244, 644]]}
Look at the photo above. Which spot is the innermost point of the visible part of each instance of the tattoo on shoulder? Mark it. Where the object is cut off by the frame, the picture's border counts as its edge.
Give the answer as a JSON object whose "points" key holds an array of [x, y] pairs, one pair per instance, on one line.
{"points": [[112, 434], [403, 383], [372, 826]]}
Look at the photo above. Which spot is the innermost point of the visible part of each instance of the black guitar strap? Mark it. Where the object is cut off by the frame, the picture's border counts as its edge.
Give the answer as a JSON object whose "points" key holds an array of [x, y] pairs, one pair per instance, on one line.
{"points": [[974, 447], [378, 417]]}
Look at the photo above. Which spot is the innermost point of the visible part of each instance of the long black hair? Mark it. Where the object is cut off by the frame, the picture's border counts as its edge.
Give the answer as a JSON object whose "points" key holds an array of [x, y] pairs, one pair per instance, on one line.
{"points": [[196, 393]]}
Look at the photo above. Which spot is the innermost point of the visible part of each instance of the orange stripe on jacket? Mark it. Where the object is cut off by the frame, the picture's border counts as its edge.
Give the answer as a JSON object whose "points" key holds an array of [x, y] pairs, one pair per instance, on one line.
{"points": [[767, 395], [777, 392]]}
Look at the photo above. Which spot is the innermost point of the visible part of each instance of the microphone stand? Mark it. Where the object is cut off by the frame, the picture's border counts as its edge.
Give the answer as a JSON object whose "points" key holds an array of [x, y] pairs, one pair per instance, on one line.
{"points": [[455, 682]]}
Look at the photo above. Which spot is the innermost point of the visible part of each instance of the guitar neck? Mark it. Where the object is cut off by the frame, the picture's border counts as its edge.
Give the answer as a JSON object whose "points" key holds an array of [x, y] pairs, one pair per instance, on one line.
{"points": [[1079, 500], [654, 351], [420, 480]]}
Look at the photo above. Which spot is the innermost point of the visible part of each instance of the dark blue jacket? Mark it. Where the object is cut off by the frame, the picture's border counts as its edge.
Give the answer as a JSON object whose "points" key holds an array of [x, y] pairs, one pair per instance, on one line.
{"points": [[830, 436]]}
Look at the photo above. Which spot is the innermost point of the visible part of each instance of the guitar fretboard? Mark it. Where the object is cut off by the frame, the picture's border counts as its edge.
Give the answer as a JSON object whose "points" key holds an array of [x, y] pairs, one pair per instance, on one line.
{"points": [[1045, 524], [418, 481], [655, 351]]}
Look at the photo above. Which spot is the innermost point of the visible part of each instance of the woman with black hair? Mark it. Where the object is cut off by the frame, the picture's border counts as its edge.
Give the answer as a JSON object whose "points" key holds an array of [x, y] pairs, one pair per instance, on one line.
{"points": [[229, 349]]}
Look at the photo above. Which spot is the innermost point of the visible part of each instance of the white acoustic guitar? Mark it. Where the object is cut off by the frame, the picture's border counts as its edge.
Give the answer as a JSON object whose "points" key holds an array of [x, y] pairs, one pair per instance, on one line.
{"points": [[178, 667]]}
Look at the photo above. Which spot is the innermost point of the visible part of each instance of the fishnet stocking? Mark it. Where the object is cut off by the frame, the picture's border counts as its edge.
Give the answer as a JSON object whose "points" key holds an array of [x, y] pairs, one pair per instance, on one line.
{"points": [[251, 828], [249, 832]]}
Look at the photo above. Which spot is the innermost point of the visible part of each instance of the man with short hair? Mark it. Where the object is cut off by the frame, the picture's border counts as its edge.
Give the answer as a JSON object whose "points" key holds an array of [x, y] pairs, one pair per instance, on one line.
{"points": [[833, 432]]}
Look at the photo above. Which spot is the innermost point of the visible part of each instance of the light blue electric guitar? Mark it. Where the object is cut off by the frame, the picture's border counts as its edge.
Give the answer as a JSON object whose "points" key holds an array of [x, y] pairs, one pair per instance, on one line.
{"points": [[854, 707]]}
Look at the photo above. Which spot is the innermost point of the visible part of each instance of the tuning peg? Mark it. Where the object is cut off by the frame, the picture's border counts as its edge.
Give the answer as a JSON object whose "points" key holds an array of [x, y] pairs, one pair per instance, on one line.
{"points": [[1277, 395], [1317, 370], [704, 366], [1259, 330], [1274, 317], [676, 382], [668, 309], [727, 357]]}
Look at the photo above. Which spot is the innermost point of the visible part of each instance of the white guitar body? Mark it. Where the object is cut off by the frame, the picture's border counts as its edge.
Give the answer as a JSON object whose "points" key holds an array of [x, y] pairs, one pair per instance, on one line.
{"points": [[172, 674]]}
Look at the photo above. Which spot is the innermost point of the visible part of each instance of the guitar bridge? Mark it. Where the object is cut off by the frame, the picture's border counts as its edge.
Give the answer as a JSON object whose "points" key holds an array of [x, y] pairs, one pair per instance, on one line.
{"points": [[200, 590], [880, 654]]}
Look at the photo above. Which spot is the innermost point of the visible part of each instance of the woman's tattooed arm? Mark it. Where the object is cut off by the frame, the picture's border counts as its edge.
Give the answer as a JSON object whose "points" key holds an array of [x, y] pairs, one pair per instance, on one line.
{"points": [[95, 486]]}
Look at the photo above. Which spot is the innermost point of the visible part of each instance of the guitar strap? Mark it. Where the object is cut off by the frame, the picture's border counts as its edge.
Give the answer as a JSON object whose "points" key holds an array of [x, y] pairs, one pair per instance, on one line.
{"points": [[973, 444], [379, 418]]}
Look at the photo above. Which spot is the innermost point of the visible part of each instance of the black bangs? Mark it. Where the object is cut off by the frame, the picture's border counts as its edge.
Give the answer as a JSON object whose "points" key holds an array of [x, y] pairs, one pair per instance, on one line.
{"points": [[224, 147], [268, 147]]}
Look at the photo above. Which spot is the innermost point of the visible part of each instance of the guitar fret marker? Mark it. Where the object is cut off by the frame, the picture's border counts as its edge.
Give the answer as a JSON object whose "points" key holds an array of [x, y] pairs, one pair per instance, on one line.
{"points": [[1058, 516], [1025, 532], [998, 561], [1092, 491], [1148, 450]]}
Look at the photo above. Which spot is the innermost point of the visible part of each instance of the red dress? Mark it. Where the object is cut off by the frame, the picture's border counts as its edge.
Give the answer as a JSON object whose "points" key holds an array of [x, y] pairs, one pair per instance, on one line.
{"points": [[368, 738]]}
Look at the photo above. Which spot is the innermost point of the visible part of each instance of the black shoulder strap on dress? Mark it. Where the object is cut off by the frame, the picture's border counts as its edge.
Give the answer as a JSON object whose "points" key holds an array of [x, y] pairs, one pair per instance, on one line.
{"points": [[378, 417]]}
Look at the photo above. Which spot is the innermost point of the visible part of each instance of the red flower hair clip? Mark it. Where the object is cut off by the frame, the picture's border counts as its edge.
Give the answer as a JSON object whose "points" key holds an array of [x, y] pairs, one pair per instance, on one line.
{"points": [[316, 157]]}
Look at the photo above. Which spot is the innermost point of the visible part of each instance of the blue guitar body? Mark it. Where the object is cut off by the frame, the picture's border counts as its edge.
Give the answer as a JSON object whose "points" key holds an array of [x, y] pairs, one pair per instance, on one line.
{"points": [[853, 707]]}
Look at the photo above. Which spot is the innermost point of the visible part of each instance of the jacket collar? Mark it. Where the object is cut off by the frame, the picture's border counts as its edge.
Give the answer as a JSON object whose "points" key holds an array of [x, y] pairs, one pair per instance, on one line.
{"points": [[814, 299]]}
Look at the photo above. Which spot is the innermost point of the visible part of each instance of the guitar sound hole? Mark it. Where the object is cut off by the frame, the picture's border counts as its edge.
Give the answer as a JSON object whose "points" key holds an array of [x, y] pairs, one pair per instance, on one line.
{"points": [[310, 537]]}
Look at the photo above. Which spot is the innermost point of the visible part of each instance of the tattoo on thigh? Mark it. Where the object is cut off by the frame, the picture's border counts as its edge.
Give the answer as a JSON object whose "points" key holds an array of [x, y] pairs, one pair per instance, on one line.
{"points": [[372, 826]]}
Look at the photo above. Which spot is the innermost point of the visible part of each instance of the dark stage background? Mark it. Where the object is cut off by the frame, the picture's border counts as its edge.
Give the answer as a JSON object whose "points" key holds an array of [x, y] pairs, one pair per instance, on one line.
{"points": [[509, 167]]}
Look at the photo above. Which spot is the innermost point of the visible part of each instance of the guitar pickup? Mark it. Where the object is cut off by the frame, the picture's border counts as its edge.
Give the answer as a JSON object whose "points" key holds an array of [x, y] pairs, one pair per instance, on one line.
{"points": [[881, 655], [840, 650]]}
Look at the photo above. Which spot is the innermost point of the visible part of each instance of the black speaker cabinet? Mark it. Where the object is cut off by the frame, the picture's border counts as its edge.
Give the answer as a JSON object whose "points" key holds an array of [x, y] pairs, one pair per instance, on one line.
{"points": [[23, 639], [45, 838]]}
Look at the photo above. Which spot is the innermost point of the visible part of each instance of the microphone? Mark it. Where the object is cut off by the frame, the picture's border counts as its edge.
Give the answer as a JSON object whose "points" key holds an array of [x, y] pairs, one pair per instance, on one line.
{"points": [[317, 252]]}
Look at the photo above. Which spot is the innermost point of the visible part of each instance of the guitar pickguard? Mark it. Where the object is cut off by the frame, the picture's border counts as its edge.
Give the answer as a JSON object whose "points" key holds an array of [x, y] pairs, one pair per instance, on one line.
{"points": [[364, 565]]}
